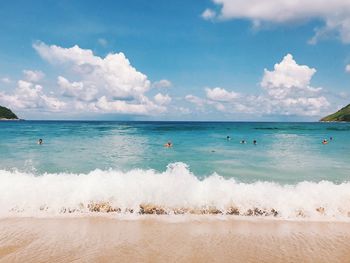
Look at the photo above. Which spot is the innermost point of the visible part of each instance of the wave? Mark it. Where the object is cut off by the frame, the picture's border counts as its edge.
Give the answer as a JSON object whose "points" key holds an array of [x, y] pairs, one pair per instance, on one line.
{"points": [[174, 191], [304, 128], [346, 128], [268, 128]]}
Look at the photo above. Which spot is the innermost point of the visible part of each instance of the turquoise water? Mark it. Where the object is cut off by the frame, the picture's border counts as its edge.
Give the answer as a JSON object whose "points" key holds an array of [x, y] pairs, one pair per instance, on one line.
{"points": [[123, 167], [285, 153]]}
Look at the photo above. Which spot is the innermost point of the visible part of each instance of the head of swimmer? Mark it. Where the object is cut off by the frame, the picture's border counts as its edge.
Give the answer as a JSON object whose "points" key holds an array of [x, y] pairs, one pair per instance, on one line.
{"points": [[168, 144]]}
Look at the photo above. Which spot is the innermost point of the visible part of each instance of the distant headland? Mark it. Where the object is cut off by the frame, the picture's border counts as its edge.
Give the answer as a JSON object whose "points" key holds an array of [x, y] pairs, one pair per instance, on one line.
{"points": [[7, 114], [341, 115]]}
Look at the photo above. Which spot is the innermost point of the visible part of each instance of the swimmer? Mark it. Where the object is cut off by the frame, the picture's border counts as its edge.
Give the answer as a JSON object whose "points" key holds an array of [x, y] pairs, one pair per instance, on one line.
{"points": [[228, 138], [331, 138], [168, 145], [40, 141], [324, 141], [243, 142], [254, 142]]}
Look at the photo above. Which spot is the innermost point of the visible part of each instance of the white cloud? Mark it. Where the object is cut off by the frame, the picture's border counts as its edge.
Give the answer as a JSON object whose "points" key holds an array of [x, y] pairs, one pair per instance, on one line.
{"points": [[147, 107], [33, 75], [208, 14], [288, 78], [347, 68], [195, 100], [286, 91], [335, 14], [110, 84], [77, 90], [31, 96], [288, 74], [162, 99], [220, 94], [163, 83], [114, 73], [202, 103]]}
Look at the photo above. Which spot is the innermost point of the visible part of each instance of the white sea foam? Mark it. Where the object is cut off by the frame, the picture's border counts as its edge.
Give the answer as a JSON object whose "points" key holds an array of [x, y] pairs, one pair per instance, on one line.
{"points": [[174, 191]]}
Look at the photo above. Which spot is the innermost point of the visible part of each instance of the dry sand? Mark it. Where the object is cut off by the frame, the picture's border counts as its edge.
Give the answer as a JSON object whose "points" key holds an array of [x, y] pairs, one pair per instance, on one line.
{"points": [[161, 239]]}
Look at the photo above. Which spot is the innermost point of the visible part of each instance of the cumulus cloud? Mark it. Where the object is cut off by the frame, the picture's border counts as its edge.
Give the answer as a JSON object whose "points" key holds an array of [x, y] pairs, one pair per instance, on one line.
{"points": [[145, 108], [335, 14], [163, 83], [196, 100], [31, 96], [201, 103], [33, 75], [220, 94], [162, 99], [286, 90], [113, 73], [288, 78], [223, 100], [287, 74], [102, 84], [77, 90]]}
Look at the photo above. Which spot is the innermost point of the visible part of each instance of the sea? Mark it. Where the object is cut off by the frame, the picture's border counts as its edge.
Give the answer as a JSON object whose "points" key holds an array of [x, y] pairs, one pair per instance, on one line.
{"points": [[110, 167]]}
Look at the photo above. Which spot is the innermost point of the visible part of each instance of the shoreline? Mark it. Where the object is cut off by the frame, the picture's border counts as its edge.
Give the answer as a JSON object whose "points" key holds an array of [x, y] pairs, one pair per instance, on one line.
{"points": [[103, 239], [175, 218]]}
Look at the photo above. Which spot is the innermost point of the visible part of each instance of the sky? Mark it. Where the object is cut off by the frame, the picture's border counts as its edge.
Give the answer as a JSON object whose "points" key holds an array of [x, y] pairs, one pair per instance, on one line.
{"points": [[214, 60]]}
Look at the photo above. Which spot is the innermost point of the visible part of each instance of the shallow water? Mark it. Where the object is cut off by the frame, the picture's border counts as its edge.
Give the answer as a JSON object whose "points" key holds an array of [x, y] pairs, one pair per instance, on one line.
{"points": [[286, 152], [84, 163]]}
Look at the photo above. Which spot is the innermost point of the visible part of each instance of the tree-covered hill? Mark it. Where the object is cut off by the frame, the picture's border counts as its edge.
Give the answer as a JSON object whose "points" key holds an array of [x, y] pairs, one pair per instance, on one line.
{"points": [[341, 115], [7, 114]]}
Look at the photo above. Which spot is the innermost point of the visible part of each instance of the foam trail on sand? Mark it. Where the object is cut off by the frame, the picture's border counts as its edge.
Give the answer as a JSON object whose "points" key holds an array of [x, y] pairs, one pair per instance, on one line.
{"points": [[174, 191]]}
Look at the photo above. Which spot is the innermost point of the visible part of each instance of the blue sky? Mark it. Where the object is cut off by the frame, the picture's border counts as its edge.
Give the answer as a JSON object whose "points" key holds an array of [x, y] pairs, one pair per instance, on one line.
{"points": [[218, 60]]}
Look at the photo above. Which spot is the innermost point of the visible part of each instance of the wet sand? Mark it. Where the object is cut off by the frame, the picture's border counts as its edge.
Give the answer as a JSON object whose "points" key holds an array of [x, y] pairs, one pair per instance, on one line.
{"points": [[152, 239]]}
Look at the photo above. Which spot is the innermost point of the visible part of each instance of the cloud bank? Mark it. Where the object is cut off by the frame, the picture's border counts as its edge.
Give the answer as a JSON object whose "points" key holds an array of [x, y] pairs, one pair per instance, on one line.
{"points": [[334, 14], [87, 83], [33, 75], [286, 90], [28, 95]]}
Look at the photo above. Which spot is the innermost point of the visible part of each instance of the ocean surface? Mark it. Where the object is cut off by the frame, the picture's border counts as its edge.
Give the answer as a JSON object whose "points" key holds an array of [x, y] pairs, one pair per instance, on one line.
{"points": [[123, 167]]}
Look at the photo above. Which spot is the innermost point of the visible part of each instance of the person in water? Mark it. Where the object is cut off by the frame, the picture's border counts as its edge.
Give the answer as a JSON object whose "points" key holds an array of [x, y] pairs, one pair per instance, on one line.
{"points": [[243, 142], [228, 138], [255, 142], [324, 141], [331, 138], [40, 141], [168, 145]]}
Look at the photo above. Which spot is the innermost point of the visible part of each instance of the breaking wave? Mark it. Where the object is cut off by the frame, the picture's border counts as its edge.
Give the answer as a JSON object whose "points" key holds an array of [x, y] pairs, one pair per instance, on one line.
{"points": [[174, 191]]}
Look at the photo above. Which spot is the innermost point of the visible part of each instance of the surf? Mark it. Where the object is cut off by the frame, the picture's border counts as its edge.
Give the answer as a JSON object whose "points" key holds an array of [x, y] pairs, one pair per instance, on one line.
{"points": [[174, 191]]}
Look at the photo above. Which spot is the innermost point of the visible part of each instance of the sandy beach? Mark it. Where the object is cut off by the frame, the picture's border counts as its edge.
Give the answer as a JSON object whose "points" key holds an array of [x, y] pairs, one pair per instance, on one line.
{"points": [[163, 239]]}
